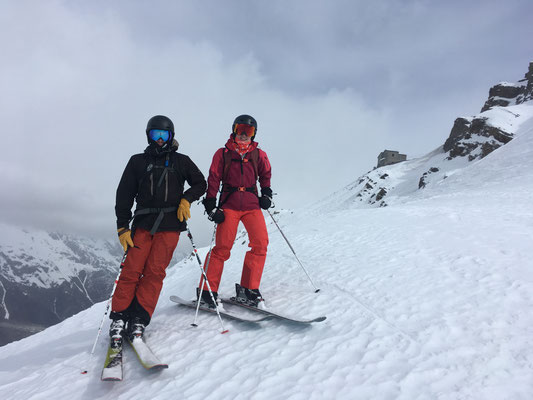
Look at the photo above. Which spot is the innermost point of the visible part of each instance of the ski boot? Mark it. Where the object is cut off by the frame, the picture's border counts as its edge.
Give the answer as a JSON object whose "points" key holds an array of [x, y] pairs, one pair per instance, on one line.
{"points": [[249, 297], [205, 299], [135, 329], [116, 333]]}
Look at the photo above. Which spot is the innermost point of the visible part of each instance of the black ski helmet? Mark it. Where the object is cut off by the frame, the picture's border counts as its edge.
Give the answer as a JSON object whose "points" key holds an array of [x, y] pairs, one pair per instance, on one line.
{"points": [[244, 119], [160, 122]]}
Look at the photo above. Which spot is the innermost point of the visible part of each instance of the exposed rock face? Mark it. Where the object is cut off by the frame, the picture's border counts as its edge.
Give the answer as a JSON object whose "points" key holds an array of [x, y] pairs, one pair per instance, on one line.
{"points": [[528, 95], [382, 192], [502, 95], [506, 94], [475, 137], [459, 130], [369, 191], [422, 181]]}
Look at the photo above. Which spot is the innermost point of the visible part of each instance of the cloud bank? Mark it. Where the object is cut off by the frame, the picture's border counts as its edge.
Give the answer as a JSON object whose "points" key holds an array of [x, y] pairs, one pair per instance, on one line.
{"points": [[331, 86]]}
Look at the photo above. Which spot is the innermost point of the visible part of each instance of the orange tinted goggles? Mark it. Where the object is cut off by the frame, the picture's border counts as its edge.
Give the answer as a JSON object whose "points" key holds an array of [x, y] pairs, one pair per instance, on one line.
{"points": [[248, 130]]}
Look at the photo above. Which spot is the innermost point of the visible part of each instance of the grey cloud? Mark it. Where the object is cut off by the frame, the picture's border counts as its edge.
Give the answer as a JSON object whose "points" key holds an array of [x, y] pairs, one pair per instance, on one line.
{"points": [[332, 81]]}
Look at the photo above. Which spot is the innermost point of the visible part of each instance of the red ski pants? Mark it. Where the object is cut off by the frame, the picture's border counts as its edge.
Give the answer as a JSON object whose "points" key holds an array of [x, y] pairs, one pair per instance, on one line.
{"points": [[144, 270], [254, 261]]}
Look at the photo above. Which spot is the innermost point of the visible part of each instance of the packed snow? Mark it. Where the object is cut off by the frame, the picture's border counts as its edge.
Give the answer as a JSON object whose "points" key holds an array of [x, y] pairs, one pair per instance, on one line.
{"points": [[429, 298]]}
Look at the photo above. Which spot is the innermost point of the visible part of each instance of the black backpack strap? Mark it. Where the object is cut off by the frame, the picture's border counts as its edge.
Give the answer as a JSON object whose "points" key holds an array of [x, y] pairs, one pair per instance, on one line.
{"points": [[165, 171], [148, 170], [161, 211]]}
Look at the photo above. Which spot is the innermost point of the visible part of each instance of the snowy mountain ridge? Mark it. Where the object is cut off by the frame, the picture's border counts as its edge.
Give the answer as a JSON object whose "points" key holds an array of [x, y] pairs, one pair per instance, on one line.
{"points": [[46, 277], [471, 138], [46, 259]]}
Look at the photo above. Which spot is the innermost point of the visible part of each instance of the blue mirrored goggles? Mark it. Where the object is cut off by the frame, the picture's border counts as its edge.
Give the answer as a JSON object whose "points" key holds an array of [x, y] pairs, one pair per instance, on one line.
{"points": [[156, 134]]}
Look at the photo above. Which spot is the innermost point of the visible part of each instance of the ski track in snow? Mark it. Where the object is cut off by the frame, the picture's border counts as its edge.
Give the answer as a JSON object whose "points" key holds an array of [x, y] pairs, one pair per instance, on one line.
{"points": [[427, 299]]}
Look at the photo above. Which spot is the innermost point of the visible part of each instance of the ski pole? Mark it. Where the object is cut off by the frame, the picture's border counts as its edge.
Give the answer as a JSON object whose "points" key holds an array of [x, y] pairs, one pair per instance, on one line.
{"points": [[205, 280], [106, 309], [293, 252]]}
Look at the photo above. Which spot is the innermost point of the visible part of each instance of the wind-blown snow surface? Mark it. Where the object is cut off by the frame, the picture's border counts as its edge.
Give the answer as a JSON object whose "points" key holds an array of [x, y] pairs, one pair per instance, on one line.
{"points": [[428, 299]]}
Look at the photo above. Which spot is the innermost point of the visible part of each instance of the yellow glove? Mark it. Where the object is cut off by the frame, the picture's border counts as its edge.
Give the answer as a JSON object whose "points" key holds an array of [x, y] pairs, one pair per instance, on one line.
{"points": [[124, 236], [184, 210]]}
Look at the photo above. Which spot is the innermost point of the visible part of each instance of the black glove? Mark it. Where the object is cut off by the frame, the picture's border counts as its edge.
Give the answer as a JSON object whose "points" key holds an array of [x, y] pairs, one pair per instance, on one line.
{"points": [[217, 216], [266, 191], [209, 203], [265, 201]]}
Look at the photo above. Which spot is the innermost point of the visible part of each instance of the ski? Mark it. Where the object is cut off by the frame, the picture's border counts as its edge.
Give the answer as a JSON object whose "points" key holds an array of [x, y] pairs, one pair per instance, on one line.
{"points": [[145, 355], [112, 370], [223, 313], [272, 314]]}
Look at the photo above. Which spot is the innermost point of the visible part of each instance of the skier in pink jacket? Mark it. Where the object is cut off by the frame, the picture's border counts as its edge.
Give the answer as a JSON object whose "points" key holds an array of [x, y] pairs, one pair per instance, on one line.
{"points": [[238, 166]]}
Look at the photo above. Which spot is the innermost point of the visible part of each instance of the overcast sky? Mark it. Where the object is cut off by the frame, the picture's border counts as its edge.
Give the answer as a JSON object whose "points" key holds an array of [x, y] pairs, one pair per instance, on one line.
{"points": [[331, 84]]}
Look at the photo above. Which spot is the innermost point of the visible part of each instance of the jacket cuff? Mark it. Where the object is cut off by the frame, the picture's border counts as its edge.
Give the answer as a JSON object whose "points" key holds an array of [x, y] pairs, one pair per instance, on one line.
{"points": [[122, 225], [120, 231], [266, 191]]}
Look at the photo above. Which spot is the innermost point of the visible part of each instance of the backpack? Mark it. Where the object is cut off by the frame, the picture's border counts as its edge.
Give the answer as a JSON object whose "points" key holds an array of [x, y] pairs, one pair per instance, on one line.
{"points": [[150, 166], [253, 157]]}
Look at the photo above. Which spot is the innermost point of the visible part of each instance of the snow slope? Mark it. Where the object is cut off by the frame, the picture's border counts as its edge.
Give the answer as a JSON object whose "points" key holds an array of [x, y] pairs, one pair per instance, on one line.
{"points": [[429, 298], [399, 183]]}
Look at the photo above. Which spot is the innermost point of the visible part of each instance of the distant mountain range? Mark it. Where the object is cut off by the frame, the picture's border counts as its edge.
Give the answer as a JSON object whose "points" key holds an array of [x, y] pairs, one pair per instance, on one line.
{"points": [[47, 277]]}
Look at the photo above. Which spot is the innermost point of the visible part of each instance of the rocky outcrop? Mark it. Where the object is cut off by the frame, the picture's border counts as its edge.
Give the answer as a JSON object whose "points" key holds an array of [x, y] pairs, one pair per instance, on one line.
{"points": [[459, 130], [506, 94], [528, 95], [370, 191], [502, 95], [476, 137], [422, 182]]}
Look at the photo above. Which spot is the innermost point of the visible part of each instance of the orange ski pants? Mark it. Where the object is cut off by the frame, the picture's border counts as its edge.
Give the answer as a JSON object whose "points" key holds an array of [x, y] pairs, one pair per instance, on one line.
{"points": [[143, 270], [254, 261]]}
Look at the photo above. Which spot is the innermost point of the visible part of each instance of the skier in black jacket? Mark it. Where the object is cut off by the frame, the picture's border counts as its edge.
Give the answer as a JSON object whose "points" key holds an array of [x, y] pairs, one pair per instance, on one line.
{"points": [[155, 180]]}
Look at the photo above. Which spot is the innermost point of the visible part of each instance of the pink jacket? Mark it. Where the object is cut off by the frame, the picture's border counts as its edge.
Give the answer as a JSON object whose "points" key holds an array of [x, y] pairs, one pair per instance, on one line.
{"points": [[241, 174]]}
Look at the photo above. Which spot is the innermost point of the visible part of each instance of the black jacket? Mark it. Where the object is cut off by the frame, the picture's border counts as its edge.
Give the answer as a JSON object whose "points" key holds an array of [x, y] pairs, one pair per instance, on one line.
{"points": [[152, 186]]}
